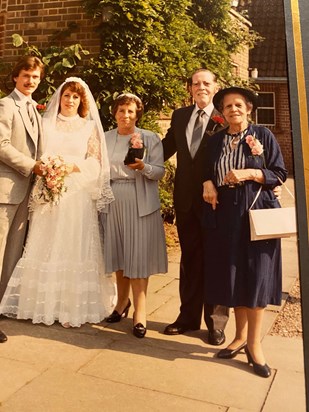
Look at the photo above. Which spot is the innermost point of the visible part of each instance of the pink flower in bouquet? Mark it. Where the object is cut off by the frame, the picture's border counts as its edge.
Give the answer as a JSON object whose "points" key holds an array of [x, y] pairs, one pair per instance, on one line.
{"points": [[136, 141], [255, 145], [51, 184]]}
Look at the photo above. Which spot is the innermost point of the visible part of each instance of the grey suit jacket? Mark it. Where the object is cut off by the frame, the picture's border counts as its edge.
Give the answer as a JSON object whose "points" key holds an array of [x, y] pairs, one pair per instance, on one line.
{"points": [[147, 190], [19, 148]]}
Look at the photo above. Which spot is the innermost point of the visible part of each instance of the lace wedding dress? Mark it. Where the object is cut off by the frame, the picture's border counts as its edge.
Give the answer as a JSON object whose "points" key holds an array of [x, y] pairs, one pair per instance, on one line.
{"points": [[60, 276]]}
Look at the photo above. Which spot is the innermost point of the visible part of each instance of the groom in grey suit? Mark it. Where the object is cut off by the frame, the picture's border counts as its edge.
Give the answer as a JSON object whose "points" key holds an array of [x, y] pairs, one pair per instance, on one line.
{"points": [[20, 146]]}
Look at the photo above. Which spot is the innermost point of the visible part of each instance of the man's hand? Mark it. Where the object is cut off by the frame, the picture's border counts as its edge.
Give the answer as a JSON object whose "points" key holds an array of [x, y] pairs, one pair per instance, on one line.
{"points": [[37, 170], [210, 194]]}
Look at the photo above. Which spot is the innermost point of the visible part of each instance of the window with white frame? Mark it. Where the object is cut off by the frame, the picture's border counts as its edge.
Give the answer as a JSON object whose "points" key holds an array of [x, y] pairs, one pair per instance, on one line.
{"points": [[265, 113]]}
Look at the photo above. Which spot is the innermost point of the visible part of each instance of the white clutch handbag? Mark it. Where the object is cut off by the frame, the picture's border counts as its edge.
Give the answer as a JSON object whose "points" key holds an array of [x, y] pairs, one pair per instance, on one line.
{"points": [[272, 223]]}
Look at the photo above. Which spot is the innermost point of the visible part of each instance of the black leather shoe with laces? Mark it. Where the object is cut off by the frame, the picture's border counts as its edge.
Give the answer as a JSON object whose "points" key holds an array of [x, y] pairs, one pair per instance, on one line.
{"points": [[216, 337], [177, 329], [3, 337]]}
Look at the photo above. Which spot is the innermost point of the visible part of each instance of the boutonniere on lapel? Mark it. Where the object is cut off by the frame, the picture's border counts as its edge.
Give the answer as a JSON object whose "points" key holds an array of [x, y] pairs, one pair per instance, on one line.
{"points": [[136, 149], [41, 108], [255, 145], [218, 122]]}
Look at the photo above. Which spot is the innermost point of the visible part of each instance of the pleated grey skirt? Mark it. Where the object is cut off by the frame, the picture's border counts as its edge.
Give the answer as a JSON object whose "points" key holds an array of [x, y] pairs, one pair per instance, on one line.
{"points": [[133, 244]]}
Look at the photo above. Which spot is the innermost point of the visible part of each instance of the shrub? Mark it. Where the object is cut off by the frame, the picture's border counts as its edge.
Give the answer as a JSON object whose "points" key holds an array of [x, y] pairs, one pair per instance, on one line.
{"points": [[166, 188]]}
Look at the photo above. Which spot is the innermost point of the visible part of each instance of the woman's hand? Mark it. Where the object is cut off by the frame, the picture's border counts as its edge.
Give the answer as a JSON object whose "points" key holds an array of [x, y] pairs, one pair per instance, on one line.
{"points": [[277, 192], [72, 168], [210, 194], [235, 176], [139, 165]]}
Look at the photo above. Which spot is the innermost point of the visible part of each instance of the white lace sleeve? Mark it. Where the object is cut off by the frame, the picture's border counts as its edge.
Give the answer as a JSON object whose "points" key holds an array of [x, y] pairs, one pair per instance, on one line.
{"points": [[97, 149], [94, 146]]}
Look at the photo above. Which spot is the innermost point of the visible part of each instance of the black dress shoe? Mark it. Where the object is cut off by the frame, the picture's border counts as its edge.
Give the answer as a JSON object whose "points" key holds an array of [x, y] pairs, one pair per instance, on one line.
{"points": [[230, 353], [116, 317], [216, 337], [3, 337], [261, 370], [177, 329], [139, 330]]}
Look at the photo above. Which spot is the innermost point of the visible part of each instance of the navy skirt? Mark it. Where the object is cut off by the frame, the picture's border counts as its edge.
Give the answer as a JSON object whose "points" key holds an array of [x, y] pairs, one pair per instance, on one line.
{"points": [[238, 271]]}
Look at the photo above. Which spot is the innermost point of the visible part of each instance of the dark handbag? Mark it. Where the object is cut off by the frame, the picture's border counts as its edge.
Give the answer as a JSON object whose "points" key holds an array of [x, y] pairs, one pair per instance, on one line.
{"points": [[272, 223], [132, 154]]}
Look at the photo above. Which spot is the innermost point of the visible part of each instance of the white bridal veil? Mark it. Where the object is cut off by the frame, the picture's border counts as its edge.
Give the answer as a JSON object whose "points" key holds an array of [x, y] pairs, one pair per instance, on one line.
{"points": [[104, 194]]}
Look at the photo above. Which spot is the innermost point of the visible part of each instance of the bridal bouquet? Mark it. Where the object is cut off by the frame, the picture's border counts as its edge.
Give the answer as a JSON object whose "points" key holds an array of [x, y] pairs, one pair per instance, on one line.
{"points": [[136, 149], [50, 186]]}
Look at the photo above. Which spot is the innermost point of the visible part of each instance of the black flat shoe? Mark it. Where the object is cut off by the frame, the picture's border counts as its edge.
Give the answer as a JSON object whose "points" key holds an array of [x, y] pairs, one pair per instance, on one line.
{"points": [[139, 330], [230, 353], [216, 337], [116, 317], [3, 337], [261, 370]]}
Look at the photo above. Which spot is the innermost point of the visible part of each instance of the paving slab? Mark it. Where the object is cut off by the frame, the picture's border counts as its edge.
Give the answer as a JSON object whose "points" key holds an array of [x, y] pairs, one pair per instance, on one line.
{"points": [[104, 367], [59, 390]]}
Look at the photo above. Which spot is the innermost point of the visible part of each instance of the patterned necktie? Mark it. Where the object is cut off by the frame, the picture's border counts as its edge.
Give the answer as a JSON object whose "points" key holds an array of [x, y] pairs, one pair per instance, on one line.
{"points": [[30, 113], [197, 132]]}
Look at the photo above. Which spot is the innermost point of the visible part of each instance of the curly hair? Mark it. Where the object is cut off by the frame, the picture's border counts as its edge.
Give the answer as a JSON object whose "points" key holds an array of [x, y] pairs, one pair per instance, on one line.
{"points": [[128, 98], [76, 87]]}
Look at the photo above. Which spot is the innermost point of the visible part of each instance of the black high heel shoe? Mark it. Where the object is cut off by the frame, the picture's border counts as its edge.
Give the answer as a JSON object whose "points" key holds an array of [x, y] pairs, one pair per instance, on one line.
{"points": [[139, 330], [230, 353], [261, 370], [116, 317]]}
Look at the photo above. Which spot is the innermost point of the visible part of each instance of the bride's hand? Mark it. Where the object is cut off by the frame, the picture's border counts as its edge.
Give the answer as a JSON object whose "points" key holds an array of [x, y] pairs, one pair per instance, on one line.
{"points": [[72, 168]]}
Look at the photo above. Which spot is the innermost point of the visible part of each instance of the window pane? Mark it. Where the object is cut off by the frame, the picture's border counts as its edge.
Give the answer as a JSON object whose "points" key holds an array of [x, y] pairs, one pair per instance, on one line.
{"points": [[266, 100], [266, 117]]}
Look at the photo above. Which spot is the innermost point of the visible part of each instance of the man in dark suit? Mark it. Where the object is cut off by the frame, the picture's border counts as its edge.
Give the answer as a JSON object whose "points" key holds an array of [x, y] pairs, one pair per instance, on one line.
{"points": [[188, 207], [20, 145]]}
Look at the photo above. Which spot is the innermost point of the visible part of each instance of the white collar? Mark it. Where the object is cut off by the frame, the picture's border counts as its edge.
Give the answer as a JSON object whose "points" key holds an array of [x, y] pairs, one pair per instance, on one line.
{"points": [[208, 109], [23, 97], [67, 118]]}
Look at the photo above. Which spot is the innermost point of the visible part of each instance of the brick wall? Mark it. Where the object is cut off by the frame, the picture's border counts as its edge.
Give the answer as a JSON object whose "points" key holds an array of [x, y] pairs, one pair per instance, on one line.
{"points": [[40, 22], [282, 129]]}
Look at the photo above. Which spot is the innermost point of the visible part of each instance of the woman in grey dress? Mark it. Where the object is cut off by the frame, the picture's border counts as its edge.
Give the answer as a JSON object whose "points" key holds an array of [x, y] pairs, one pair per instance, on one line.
{"points": [[134, 243]]}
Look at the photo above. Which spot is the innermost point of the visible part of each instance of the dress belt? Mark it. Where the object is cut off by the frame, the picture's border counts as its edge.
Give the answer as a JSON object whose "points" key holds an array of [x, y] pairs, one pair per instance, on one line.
{"points": [[232, 185], [123, 180]]}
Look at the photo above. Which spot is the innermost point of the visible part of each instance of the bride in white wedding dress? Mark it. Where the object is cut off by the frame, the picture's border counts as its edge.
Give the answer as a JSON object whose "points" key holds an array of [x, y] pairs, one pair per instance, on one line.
{"points": [[61, 276]]}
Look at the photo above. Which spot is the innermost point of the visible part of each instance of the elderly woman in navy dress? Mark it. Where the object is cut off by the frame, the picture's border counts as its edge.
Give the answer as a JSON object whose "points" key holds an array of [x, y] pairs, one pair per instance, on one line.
{"points": [[241, 273], [133, 229]]}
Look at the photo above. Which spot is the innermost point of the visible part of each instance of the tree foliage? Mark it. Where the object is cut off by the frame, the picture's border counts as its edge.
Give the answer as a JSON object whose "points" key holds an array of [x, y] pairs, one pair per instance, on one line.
{"points": [[58, 63], [150, 47]]}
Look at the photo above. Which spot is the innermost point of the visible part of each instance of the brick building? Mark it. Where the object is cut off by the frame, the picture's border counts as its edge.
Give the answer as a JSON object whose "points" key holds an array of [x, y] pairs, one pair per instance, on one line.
{"points": [[268, 60], [41, 22]]}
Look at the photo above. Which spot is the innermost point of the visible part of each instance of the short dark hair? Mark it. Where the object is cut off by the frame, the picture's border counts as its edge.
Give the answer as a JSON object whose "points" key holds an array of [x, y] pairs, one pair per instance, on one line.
{"points": [[128, 98], [189, 81], [76, 87], [27, 63]]}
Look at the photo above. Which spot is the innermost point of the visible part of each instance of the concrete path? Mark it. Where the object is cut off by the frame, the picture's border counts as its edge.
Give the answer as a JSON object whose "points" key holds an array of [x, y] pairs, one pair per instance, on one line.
{"points": [[105, 368]]}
